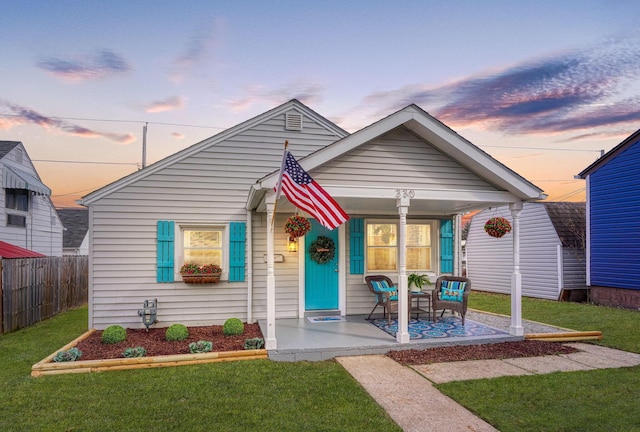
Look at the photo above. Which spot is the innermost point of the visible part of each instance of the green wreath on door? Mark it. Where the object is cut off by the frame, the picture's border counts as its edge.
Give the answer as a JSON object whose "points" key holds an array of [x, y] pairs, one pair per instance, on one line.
{"points": [[322, 250]]}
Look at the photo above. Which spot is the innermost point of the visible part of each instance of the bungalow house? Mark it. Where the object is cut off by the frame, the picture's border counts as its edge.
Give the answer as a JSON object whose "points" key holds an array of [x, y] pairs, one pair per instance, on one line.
{"points": [[403, 181], [613, 223], [28, 218], [551, 251]]}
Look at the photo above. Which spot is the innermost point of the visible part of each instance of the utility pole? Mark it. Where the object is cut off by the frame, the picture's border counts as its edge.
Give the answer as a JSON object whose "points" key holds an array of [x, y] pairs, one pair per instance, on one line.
{"points": [[144, 145]]}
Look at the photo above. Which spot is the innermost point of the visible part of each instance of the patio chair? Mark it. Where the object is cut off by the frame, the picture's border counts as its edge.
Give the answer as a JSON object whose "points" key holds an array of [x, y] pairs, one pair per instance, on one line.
{"points": [[451, 292], [386, 295]]}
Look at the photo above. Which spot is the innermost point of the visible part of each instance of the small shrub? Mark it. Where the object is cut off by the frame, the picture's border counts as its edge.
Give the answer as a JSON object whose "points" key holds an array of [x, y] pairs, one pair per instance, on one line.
{"points": [[177, 332], [253, 343], [114, 334], [134, 352], [68, 356], [201, 346], [232, 327]]}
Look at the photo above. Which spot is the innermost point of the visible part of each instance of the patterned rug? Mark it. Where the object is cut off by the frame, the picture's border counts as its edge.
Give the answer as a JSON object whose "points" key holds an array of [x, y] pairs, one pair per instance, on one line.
{"points": [[442, 328]]}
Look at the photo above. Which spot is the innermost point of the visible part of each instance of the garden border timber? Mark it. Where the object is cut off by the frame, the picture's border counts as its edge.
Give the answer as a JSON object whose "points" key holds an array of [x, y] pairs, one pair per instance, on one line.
{"points": [[47, 366]]}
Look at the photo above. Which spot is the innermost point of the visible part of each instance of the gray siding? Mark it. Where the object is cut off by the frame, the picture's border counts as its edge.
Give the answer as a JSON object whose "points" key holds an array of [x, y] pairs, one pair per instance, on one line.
{"points": [[399, 158], [490, 260], [574, 274], [211, 187]]}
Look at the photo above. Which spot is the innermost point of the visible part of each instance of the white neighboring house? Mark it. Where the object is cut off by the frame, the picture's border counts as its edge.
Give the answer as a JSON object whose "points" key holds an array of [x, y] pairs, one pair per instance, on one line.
{"points": [[403, 180], [75, 239], [552, 254], [29, 219]]}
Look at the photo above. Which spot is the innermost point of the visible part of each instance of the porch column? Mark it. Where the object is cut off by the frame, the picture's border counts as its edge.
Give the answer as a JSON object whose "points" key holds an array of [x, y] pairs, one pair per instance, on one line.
{"points": [[403, 199], [271, 342], [516, 328]]}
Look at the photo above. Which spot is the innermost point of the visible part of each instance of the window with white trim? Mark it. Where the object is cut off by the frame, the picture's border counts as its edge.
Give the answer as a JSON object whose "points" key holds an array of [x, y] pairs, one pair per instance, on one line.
{"points": [[203, 245], [382, 246], [16, 199]]}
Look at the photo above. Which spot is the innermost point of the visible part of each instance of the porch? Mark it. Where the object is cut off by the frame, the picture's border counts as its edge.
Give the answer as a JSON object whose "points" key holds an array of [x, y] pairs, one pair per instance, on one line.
{"points": [[300, 339]]}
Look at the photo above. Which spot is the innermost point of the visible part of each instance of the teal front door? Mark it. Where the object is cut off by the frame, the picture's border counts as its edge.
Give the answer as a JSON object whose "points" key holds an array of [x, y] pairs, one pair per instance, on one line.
{"points": [[320, 280]]}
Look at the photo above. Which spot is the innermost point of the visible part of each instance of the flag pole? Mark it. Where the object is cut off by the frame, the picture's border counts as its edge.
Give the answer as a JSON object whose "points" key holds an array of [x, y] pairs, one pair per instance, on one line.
{"points": [[279, 187]]}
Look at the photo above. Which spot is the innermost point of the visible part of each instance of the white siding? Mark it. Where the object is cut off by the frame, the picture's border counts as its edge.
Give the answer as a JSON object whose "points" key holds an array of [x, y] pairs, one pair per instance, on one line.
{"points": [[43, 232], [399, 158], [574, 268], [210, 187], [490, 260]]}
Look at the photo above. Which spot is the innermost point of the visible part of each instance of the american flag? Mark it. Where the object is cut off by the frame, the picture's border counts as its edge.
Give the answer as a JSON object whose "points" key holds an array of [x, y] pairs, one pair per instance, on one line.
{"points": [[307, 195]]}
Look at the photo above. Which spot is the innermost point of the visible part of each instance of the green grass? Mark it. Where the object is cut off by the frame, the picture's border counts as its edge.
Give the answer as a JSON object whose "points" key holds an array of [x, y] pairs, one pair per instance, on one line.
{"points": [[598, 400], [601, 400], [235, 396], [268, 396], [619, 327]]}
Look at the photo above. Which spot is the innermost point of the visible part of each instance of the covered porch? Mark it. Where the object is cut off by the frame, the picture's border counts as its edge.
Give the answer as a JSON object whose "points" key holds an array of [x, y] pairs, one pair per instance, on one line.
{"points": [[301, 339], [408, 166]]}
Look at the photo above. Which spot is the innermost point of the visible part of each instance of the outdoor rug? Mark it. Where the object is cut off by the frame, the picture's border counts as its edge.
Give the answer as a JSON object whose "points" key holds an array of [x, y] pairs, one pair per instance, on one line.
{"points": [[324, 319], [443, 328]]}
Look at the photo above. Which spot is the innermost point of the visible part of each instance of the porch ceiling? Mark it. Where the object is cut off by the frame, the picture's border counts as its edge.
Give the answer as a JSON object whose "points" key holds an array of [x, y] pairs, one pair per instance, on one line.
{"points": [[383, 201]]}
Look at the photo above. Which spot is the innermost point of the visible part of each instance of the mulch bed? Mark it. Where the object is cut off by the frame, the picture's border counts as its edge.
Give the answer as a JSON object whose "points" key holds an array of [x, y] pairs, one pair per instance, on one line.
{"points": [[502, 350], [155, 343]]}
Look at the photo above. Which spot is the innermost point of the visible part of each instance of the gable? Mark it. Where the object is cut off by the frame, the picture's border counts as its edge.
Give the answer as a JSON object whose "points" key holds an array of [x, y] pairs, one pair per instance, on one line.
{"points": [[401, 158], [569, 221], [619, 151], [236, 157]]}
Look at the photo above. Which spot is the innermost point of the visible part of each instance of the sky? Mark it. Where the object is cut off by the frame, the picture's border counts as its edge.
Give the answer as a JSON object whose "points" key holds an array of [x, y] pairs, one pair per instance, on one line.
{"points": [[542, 86]]}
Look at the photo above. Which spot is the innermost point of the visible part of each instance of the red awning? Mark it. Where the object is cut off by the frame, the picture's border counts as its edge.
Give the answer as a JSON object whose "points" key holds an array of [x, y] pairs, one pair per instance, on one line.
{"points": [[10, 251]]}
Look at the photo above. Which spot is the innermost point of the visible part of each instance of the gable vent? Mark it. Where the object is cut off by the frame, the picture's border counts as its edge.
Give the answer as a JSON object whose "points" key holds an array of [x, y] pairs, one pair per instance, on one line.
{"points": [[293, 121]]}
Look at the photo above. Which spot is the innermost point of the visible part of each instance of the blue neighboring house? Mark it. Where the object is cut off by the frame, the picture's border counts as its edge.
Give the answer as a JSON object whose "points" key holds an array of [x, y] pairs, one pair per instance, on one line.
{"points": [[613, 225]]}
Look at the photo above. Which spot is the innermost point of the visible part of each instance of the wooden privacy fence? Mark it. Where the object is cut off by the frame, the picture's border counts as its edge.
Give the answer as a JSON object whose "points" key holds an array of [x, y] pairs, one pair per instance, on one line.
{"points": [[34, 289]]}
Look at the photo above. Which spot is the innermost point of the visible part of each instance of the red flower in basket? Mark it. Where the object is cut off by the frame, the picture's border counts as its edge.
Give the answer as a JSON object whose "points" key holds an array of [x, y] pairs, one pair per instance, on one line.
{"points": [[497, 227], [191, 269], [297, 226]]}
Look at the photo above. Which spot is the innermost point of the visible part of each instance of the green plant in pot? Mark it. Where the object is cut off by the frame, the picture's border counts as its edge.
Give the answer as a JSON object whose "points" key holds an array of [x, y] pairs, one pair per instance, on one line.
{"points": [[418, 281]]}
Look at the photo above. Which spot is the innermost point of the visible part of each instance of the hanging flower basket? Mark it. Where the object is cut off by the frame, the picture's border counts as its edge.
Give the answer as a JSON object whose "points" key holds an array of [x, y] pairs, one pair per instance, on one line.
{"points": [[297, 226], [195, 274], [497, 227]]}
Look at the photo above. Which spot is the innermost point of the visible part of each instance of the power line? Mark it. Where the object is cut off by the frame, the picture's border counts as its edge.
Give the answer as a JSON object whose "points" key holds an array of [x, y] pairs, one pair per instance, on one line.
{"points": [[121, 121], [85, 162], [542, 148]]}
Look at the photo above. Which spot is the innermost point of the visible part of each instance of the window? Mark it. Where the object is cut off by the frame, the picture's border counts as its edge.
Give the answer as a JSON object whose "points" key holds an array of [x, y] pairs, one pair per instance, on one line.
{"points": [[382, 246], [203, 246], [16, 220], [17, 199]]}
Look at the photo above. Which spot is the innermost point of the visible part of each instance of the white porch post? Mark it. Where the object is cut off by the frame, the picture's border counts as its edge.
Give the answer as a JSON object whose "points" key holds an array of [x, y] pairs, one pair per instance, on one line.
{"points": [[271, 342], [516, 328], [402, 202]]}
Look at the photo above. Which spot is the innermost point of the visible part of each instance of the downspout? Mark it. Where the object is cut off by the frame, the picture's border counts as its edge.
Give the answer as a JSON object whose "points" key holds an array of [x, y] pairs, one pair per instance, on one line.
{"points": [[249, 267]]}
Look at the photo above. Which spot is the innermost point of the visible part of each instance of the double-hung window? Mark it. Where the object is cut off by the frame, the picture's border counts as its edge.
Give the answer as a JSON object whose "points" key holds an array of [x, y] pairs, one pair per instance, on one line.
{"points": [[203, 245], [18, 200], [382, 246]]}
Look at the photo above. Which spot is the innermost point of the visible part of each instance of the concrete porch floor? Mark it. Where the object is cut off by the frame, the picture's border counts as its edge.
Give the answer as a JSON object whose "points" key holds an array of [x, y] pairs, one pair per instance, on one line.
{"points": [[298, 339]]}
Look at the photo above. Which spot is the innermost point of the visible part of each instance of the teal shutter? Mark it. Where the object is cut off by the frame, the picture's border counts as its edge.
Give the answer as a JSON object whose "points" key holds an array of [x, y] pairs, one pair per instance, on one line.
{"points": [[446, 246], [237, 242], [164, 255], [356, 245]]}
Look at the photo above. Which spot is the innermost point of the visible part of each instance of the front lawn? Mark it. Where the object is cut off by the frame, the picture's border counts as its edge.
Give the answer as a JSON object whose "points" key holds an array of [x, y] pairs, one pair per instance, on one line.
{"points": [[619, 327], [255, 395], [600, 400]]}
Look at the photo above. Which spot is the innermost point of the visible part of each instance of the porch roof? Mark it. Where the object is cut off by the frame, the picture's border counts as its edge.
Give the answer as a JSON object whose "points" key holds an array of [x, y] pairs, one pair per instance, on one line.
{"points": [[508, 186]]}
